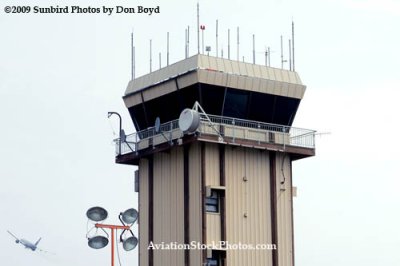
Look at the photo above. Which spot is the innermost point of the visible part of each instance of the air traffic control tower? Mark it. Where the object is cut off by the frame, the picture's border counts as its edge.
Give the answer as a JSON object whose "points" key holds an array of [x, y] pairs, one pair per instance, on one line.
{"points": [[216, 172]]}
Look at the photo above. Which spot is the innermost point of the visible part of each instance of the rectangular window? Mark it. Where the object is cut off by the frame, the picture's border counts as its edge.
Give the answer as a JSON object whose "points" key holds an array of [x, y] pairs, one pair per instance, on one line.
{"points": [[212, 202], [212, 262]]}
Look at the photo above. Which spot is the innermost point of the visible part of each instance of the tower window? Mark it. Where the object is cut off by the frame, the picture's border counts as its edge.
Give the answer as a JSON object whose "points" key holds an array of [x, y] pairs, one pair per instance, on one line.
{"points": [[212, 203], [212, 262]]}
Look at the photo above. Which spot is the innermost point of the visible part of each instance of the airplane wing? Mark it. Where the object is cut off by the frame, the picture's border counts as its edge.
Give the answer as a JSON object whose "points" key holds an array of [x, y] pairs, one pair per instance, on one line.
{"points": [[13, 235]]}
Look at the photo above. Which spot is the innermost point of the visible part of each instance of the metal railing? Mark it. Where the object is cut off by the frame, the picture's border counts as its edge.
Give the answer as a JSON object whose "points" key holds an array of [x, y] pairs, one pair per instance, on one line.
{"points": [[228, 129]]}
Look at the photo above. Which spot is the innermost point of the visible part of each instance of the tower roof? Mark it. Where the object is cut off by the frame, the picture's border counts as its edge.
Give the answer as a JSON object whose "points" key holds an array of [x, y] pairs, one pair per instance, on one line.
{"points": [[222, 86]]}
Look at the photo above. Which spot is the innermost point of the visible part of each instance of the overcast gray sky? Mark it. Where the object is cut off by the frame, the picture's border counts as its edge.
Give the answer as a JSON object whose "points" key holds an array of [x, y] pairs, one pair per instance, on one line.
{"points": [[61, 73]]}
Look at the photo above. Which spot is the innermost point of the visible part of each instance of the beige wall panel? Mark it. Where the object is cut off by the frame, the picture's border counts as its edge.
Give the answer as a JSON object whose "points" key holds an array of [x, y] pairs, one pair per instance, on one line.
{"points": [[292, 77], [235, 68], [291, 90], [250, 198], [228, 66], [144, 213], [213, 63], [284, 89], [212, 165], [285, 75], [271, 73], [284, 210], [195, 226], [255, 85], [213, 224], [220, 79], [220, 64], [248, 83], [241, 82], [257, 70], [277, 88], [278, 74], [187, 80], [249, 69], [168, 205], [210, 77], [159, 90], [204, 61], [233, 81], [242, 70], [202, 76], [133, 100]]}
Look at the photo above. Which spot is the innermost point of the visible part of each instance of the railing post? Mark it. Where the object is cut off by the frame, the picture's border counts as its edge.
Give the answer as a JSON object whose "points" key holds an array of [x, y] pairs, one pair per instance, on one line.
{"points": [[233, 123]]}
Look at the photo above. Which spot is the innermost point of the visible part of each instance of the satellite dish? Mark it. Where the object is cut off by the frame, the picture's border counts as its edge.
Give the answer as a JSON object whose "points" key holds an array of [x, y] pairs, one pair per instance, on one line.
{"points": [[130, 243], [157, 125], [189, 120], [98, 242], [130, 216], [97, 214]]}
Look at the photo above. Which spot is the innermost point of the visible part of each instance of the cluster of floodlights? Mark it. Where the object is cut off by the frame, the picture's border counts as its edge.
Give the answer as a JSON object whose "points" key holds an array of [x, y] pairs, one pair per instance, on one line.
{"points": [[127, 218]]}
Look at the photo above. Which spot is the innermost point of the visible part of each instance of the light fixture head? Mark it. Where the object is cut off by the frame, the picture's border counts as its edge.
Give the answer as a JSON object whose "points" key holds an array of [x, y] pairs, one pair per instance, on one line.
{"points": [[130, 216], [130, 243], [109, 114], [98, 242], [97, 214]]}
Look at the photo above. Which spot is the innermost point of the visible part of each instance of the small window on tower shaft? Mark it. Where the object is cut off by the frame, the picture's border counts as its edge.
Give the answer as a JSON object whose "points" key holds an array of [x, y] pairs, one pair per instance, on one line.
{"points": [[212, 202]]}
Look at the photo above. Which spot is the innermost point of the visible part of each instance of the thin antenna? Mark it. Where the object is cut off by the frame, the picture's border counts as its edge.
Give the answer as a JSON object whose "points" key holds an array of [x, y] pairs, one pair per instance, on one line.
{"points": [[222, 53], [198, 28], [188, 41], [134, 64], [185, 43], [281, 52], [167, 48], [202, 38], [229, 44], [290, 55], [159, 59], [243, 58], [216, 35], [266, 57], [292, 45], [150, 57], [269, 56], [132, 57], [237, 43], [254, 49]]}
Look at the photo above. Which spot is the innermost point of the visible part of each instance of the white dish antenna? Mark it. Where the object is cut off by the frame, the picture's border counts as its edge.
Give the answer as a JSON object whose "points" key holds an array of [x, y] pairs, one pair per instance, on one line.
{"points": [[189, 120]]}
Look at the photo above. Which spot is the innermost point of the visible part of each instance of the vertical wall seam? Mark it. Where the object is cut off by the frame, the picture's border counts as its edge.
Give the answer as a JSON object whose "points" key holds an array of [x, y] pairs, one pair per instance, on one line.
{"points": [[274, 227]]}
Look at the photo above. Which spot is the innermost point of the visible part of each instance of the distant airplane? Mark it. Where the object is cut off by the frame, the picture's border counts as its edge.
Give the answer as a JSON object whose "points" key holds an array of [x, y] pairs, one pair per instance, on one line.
{"points": [[26, 243]]}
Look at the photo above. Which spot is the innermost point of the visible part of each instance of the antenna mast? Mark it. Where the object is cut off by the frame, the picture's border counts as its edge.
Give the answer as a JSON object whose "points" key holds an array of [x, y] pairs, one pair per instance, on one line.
{"points": [[293, 45], [132, 57], [229, 44], [150, 57], [198, 28], [216, 35], [237, 43], [254, 49], [167, 48], [188, 41], [290, 55]]}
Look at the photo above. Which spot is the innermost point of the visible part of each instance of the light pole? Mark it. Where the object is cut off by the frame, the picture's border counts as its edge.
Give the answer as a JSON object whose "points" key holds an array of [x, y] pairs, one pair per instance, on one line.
{"points": [[112, 228], [98, 214], [120, 128]]}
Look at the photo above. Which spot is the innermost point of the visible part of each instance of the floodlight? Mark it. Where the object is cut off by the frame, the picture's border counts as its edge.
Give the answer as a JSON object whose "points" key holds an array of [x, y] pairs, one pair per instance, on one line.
{"points": [[129, 216], [97, 214], [129, 243], [98, 242]]}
